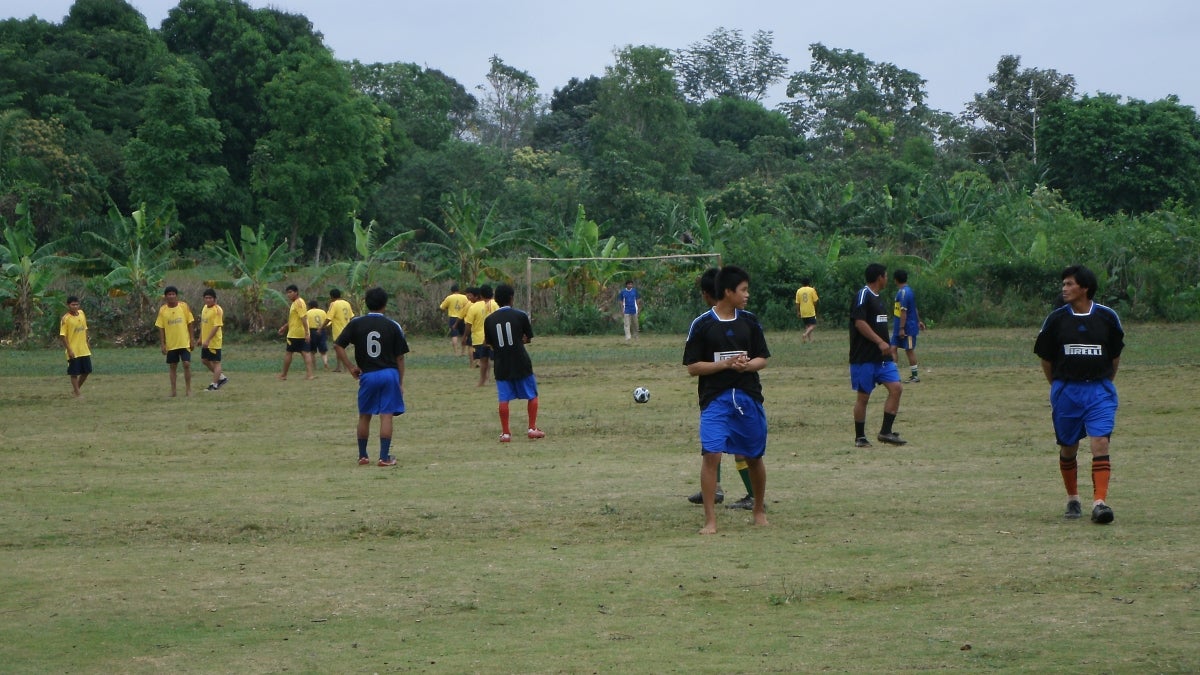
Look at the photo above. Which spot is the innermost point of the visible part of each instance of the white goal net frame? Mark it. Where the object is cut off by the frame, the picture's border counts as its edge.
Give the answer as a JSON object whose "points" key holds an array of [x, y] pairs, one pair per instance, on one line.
{"points": [[530, 260]]}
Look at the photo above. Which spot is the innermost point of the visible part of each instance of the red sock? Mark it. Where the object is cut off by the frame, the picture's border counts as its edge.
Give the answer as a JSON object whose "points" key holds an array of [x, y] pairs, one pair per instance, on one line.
{"points": [[1101, 470], [504, 417], [1070, 474], [532, 407]]}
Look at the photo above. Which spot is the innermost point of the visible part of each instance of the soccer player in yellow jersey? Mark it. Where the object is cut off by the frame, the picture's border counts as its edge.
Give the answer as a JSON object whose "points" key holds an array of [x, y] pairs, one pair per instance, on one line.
{"points": [[212, 323], [806, 308], [339, 313], [455, 306], [474, 322], [72, 331], [317, 321], [296, 329], [175, 324]]}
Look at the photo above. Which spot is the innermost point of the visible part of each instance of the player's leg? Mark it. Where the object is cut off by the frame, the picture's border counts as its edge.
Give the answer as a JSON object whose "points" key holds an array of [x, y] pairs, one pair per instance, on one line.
{"points": [[363, 433], [307, 355], [186, 358], [625, 322], [1099, 422], [483, 358], [709, 462], [385, 440], [171, 367], [287, 360], [758, 481]]}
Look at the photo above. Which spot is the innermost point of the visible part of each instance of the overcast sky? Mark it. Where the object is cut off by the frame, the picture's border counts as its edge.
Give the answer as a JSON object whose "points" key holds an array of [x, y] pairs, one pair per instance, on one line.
{"points": [[1144, 49]]}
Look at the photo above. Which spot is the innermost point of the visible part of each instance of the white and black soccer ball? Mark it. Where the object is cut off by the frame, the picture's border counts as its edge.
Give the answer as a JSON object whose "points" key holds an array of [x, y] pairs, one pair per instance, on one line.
{"points": [[641, 395]]}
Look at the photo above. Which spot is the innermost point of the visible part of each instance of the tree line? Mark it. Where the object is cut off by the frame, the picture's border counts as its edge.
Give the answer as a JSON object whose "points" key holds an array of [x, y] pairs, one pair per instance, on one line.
{"points": [[231, 136]]}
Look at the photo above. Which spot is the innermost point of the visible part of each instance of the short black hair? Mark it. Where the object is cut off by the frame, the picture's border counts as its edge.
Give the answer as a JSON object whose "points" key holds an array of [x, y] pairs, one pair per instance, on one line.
{"points": [[170, 289], [453, 288], [210, 293], [313, 304], [1084, 277], [335, 293], [901, 276], [72, 298], [708, 282], [376, 299], [805, 281], [485, 291], [874, 271], [504, 295], [728, 279], [292, 287]]}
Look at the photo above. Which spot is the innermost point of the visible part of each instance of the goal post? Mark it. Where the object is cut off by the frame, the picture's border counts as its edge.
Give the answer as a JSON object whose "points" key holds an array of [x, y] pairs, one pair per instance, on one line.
{"points": [[530, 260]]}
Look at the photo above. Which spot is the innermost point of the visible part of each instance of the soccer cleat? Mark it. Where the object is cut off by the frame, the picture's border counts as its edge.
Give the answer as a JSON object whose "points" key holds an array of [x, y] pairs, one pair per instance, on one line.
{"points": [[390, 461], [698, 498], [363, 461], [891, 438], [862, 442], [746, 503], [506, 438], [913, 379], [222, 382], [1074, 510], [211, 387], [1102, 514], [536, 433]]}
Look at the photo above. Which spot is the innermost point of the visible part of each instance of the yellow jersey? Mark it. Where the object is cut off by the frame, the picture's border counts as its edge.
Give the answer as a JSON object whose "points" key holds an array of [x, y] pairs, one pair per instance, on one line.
{"points": [[806, 302], [316, 319], [455, 305], [74, 328], [340, 312], [176, 324], [212, 317], [475, 316], [297, 313]]}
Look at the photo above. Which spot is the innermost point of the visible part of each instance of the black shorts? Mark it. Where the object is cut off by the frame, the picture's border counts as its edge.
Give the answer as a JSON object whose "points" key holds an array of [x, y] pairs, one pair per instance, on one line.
{"points": [[809, 320], [80, 365], [483, 352], [298, 345], [181, 354], [207, 354], [317, 341]]}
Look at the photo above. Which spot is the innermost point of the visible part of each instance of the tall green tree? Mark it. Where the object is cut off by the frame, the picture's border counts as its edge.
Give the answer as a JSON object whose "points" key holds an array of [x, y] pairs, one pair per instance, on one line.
{"points": [[173, 159], [590, 263], [324, 143], [1109, 156], [371, 258], [843, 91], [1004, 119], [724, 65], [510, 106]]}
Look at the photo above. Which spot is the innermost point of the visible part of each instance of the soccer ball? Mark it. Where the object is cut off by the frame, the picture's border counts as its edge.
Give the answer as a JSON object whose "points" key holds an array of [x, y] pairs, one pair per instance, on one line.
{"points": [[641, 395]]}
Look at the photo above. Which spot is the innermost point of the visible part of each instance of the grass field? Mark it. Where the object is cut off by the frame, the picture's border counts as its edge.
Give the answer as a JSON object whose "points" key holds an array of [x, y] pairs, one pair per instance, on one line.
{"points": [[233, 531]]}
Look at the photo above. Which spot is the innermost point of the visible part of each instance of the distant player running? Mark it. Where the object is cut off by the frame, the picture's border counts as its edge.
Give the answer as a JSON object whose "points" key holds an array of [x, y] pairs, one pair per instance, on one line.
{"points": [[379, 349]]}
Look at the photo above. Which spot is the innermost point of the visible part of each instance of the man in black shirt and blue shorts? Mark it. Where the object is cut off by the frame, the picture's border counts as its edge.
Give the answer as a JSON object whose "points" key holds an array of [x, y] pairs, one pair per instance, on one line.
{"points": [[871, 361], [1080, 346], [379, 349], [506, 331]]}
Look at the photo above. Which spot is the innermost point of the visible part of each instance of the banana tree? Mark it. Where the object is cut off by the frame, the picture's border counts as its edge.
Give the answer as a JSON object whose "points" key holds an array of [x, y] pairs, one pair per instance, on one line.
{"points": [[471, 238], [363, 273], [255, 264], [584, 265], [27, 271], [138, 258]]}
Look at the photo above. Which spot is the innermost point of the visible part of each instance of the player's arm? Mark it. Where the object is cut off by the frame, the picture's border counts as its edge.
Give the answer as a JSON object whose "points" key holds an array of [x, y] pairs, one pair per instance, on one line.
{"points": [[868, 332], [162, 339], [1048, 370], [66, 343], [345, 360], [400, 367], [1116, 365]]}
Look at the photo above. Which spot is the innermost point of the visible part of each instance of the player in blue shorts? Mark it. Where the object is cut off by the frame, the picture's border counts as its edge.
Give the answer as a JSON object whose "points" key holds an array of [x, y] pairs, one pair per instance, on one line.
{"points": [[871, 361], [1080, 346], [907, 325], [507, 331], [379, 349], [725, 349]]}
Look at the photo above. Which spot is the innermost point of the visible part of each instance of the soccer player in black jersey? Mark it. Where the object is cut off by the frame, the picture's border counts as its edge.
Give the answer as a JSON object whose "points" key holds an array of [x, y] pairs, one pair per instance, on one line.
{"points": [[1080, 345], [506, 331]]}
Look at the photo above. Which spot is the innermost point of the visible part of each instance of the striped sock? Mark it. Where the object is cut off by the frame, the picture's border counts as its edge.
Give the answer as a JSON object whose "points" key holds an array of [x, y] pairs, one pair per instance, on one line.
{"points": [[1101, 470], [1070, 474]]}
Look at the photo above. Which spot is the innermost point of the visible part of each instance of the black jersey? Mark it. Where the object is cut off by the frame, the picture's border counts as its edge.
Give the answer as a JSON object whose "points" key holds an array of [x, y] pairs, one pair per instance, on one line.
{"points": [[711, 338], [506, 331], [868, 307], [1082, 347], [377, 341]]}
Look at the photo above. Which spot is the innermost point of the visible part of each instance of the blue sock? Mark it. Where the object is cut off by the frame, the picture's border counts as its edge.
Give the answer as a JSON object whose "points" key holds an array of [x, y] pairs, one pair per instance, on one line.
{"points": [[385, 448], [362, 447]]}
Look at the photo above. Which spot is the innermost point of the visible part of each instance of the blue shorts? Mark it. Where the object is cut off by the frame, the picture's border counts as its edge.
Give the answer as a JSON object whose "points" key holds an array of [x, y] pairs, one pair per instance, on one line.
{"points": [[379, 393], [864, 376], [1081, 409], [452, 324], [177, 355], [80, 365], [482, 352], [317, 341], [507, 390], [906, 343], [734, 423]]}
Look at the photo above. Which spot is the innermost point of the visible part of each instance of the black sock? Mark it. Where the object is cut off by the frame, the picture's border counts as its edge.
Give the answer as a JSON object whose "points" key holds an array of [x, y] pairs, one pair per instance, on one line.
{"points": [[860, 429], [888, 420]]}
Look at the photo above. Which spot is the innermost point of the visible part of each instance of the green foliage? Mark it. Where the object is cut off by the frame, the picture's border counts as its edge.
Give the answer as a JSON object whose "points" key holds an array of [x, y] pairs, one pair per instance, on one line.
{"points": [[254, 264], [588, 265], [137, 254], [373, 258], [26, 273], [724, 65], [470, 239]]}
